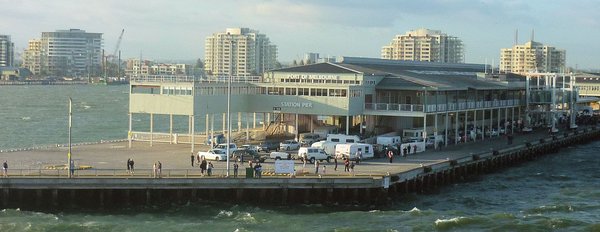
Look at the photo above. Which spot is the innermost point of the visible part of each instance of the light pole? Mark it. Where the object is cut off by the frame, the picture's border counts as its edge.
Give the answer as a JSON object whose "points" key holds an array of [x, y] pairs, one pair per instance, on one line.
{"points": [[69, 153], [229, 103]]}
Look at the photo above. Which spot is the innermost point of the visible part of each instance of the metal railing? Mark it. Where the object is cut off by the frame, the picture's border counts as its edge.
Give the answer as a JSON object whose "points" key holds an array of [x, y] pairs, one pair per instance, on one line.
{"points": [[441, 107], [177, 173]]}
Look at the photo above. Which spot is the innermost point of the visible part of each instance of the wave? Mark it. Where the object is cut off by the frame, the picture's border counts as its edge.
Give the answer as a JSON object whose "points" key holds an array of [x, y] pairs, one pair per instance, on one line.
{"points": [[25, 118], [456, 222], [550, 209], [86, 107]]}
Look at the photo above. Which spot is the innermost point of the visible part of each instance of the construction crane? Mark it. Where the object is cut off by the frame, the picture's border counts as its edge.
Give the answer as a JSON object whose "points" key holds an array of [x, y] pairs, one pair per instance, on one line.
{"points": [[114, 54]]}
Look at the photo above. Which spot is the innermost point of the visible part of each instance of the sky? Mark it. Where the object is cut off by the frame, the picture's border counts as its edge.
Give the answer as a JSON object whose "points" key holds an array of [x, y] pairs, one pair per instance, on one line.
{"points": [[176, 30]]}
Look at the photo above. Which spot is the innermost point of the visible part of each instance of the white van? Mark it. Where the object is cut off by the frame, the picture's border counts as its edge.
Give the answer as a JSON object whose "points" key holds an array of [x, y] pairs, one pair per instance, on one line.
{"points": [[312, 154], [342, 138], [412, 134], [350, 149], [323, 131], [309, 138], [328, 147], [388, 140]]}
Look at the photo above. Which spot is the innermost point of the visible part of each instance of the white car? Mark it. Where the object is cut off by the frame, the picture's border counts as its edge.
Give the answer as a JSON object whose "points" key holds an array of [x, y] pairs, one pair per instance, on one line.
{"points": [[214, 154], [277, 155], [223, 146], [289, 145], [313, 154], [249, 147]]}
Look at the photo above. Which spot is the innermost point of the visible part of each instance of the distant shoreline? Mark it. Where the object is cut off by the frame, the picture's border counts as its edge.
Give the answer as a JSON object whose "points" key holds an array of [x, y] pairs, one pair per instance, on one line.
{"points": [[43, 82]]}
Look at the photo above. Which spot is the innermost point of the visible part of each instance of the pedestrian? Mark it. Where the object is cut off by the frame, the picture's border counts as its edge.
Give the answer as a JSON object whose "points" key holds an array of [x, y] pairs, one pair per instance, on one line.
{"points": [[303, 163], [198, 159], [209, 169], [390, 155], [235, 169], [258, 170], [358, 157], [250, 164], [159, 169], [5, 169], [352, 168], [203, 166], [335, 163], [316, 167], [346, 164], [154, 170], [129, 165], [324, 169], [409, 149], [72, 167], [192, 159], [414, 148], [404, 153]]}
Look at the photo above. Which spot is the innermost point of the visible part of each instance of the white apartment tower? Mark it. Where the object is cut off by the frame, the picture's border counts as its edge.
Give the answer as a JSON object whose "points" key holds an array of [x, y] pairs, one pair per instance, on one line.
{"points": [[239, 52], [424, 45], [532, 57], [71, 52], [6, 51]]}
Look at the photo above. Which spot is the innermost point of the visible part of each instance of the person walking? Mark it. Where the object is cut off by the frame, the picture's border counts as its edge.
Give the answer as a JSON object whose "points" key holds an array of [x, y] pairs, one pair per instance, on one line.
{"points": [[415, 149], [316, 167], [235, 169], [159, 169], [209, 168], [128, 165], [404, 153], [192, 159], [5, 169], [358, 157], [131, 163], [335, 163], [409, 149], [72, 168], [346, 165], [154, 170], [390, 155], [203, 166]]}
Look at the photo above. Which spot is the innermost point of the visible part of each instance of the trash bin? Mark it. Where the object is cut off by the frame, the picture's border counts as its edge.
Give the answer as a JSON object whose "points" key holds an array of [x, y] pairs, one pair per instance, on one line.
{"points": [[249, 172]]}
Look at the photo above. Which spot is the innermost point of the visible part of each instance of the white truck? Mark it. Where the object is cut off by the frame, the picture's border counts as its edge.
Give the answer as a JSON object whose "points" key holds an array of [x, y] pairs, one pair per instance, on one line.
{"points": [[349, 150], [328, 147], [389, 140], [313, 154], [342, 138]]}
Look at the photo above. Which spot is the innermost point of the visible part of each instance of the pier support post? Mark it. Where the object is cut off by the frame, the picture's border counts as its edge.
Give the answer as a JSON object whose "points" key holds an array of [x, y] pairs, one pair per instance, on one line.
{"points": [[284, 196], [239, 195], [329, 196], [151, 128], [170, 128], [101, 197], [148, 196], [224, 125], [5, 197], [130, 133], [193, 134], [54, 197], [39, 195]]}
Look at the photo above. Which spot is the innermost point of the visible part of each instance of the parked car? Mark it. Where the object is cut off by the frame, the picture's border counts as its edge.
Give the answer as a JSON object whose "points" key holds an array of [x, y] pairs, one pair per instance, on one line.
{"points": [[214, 154], [244, 155], [223, 146], [289, 145], [313, 154], [249, 147], [276, 155], [306, 139], [268, 146]]}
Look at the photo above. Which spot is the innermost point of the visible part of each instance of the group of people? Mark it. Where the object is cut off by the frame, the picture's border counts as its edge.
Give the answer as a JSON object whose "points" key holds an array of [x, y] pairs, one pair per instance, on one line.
{"points": [[130, 167], [257, 169], [157, 169], [205, 166]]}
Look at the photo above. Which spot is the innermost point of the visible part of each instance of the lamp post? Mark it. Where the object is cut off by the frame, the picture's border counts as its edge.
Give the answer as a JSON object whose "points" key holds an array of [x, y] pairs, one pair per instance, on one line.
{"points": [[229, 102], [69, 160]]}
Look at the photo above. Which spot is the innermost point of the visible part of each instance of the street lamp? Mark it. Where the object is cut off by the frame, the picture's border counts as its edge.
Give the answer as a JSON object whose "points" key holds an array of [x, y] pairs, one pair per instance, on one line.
{"points": [[69, 160]]}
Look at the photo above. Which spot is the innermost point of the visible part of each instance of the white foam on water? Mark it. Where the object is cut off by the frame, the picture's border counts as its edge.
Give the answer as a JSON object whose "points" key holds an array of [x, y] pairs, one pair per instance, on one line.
{"points": [[25, 118]]}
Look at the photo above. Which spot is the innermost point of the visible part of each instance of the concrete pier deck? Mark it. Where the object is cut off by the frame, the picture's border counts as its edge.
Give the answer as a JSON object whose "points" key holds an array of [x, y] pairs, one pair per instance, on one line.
{"points": [[373, 181]]}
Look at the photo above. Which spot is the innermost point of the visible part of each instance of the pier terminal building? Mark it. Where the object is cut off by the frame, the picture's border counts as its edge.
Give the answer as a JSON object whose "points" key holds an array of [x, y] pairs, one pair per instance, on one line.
{"points": [[365, 96]]}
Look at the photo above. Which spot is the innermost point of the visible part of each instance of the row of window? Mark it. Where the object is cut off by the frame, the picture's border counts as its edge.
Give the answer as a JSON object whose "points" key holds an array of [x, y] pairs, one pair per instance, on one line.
{"points": [[316, 92], [319, 81]]}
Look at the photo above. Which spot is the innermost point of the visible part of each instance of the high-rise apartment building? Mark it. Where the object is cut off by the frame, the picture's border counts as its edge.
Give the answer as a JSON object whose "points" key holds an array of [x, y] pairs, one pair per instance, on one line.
{"points": [[72, 52], [239, 52], [6, 51], [32, 57], [424, 45], [532, 57]]}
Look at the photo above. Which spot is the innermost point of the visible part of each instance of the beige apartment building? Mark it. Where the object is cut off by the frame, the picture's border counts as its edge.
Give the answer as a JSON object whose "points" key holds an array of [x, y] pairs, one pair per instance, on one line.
{"points": [[239, 52], [133, 68], [532, 57], [32, 57], [424, 45]]}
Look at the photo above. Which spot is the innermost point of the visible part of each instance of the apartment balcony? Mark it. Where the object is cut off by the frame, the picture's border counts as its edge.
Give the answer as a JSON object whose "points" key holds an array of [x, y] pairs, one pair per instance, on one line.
{"points": [[420, 110]]}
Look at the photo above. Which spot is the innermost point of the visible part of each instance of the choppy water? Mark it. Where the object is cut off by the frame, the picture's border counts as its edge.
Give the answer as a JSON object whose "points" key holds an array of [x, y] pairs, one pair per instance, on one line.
{"points": [[560, 192]]}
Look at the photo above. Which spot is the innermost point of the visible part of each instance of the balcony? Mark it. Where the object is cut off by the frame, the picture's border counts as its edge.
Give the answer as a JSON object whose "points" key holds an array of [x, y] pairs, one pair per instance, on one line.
{"points": [[433, 108]]}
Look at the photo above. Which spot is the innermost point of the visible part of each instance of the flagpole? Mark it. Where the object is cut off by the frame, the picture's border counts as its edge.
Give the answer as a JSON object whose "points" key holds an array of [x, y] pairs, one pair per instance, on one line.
{"points": [[70, 120]]}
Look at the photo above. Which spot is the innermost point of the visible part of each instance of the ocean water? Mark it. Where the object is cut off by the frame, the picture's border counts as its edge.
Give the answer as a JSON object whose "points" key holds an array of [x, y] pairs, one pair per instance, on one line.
{"points": [[558, 192]]}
